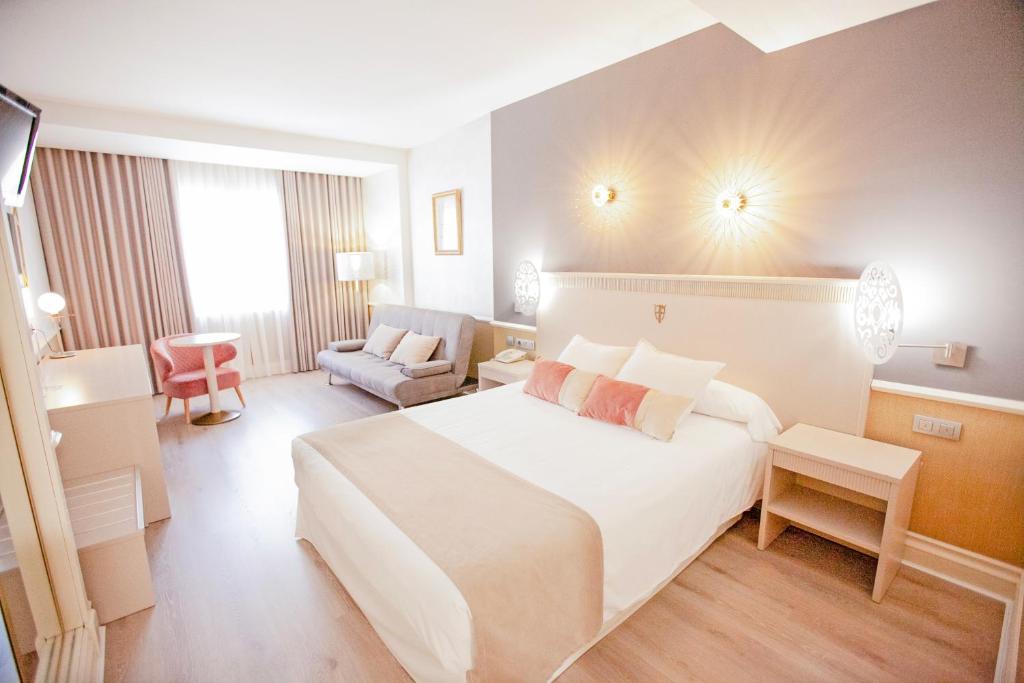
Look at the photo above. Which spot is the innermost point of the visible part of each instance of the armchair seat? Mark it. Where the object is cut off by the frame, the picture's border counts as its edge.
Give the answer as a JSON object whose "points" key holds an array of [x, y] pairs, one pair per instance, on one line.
{"points": [[193, 382], [183, 375]]}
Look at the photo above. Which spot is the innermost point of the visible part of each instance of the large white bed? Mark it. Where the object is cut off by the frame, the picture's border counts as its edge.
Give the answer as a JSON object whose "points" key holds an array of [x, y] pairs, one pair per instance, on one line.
{"points": [[656, 504]]}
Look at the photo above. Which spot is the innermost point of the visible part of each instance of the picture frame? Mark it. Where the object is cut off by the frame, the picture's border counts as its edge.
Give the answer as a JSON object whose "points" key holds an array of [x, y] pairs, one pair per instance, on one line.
{"points": [[17, 246], [447, 214]]}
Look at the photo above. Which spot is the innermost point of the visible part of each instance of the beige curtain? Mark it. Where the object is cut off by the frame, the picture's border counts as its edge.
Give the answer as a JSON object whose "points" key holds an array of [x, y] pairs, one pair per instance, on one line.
{"points": [[324, 215], [111, 246]]}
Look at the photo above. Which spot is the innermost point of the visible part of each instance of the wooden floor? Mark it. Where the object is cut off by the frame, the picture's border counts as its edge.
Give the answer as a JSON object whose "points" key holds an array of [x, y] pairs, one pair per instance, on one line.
{"points": [[239, 599]]}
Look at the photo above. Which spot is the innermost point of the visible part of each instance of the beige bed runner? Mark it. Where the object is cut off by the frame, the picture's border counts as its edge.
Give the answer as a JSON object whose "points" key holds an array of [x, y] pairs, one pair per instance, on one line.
{"points": [[528, 563]]}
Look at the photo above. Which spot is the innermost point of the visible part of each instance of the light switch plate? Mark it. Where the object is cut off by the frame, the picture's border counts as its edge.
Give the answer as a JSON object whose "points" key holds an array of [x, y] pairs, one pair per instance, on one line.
{"points": [[525, 344], [933, 426]]}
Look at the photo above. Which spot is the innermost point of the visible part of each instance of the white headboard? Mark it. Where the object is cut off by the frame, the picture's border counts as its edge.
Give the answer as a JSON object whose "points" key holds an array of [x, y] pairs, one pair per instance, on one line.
{"points": [[789, 340]]}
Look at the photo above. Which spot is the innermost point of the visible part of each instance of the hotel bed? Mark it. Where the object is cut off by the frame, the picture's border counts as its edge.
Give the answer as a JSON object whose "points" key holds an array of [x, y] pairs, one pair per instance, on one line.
{"points": [[657, 505], [649, 507]]}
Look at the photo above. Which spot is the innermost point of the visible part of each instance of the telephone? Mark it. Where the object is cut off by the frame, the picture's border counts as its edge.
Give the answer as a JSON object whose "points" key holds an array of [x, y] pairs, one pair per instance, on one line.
{"points": [[510, 355]]}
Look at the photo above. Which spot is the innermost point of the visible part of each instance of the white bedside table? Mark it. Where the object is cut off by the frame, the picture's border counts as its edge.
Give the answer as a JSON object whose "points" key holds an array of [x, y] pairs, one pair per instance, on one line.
{"points": [[492, 373], [855, 491]]}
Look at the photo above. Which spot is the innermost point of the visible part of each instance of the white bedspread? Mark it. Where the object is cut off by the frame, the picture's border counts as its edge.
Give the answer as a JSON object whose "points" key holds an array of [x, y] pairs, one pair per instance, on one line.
{"points": [[656, 504]]}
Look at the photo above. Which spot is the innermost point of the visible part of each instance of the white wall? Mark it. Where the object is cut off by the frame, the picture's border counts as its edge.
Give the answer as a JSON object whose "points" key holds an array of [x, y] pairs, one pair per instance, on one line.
{"points": [[35, 265], [382, 221], [459, 160]]}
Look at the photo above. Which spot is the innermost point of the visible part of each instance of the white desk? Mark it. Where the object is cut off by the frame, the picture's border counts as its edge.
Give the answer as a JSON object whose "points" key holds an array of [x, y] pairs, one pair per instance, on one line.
{"points": [[101, 400]]}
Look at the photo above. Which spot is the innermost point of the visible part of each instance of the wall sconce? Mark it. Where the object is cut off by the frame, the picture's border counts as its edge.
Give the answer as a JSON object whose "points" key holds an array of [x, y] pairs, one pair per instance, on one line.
{"points": [[878, 319], [730, 203], [526, 288], [601, 195]]}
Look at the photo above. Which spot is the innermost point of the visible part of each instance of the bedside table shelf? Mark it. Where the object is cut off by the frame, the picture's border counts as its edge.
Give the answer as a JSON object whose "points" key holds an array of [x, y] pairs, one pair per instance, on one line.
{"points": [[492, 373], [851, 490], [832, 516]]}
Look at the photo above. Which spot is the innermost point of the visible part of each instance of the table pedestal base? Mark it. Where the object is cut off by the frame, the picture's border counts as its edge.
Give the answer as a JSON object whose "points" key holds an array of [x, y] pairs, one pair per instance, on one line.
{"points": [[217, 418]]}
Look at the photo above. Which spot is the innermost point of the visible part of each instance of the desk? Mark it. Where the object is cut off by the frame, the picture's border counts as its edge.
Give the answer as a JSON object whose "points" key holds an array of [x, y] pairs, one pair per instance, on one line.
{"points": [[101, 400]]}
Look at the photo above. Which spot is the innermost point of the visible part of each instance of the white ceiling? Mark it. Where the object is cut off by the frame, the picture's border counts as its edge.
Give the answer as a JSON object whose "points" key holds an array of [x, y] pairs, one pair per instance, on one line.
{"points": [[776, 24], [388, 72]]}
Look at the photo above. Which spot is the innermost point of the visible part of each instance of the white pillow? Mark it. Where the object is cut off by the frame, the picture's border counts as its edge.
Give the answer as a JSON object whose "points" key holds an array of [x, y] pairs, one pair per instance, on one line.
{"points": [[384, 340], [667, 372], [739, 405], [414, 348], [589, 356]]}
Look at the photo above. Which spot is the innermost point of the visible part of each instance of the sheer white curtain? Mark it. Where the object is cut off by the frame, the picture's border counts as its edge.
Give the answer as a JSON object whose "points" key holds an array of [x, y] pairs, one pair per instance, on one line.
{"points": [[234, 242]]}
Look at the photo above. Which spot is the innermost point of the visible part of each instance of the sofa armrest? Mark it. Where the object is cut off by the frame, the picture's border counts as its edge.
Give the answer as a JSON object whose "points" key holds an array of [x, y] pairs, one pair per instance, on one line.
{"points": [[430, 367], [347, 345]]}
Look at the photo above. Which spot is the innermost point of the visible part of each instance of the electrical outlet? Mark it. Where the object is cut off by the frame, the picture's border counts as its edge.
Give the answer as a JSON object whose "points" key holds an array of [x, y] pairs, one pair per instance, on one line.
{"points": [[933, 426], [510, 340], [525, 344]]}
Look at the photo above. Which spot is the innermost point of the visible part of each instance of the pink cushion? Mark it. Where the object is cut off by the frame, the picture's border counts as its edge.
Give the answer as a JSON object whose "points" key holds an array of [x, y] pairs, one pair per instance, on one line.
{"points": [[613, 401], [546, 379], [193, 382]]}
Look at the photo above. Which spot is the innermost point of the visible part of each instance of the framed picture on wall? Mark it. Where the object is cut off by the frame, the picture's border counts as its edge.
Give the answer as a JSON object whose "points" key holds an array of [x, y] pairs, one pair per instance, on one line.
{"points": [[448, 223], [14, 226]]}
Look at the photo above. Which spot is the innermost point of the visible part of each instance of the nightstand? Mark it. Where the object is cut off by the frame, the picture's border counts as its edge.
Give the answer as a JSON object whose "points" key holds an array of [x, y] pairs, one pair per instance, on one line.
{"points": [[493, 373], [851, 490]]}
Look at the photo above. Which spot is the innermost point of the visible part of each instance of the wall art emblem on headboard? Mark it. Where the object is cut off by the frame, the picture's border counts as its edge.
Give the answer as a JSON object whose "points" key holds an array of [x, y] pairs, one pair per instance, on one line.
{"points": [[659, 312]]}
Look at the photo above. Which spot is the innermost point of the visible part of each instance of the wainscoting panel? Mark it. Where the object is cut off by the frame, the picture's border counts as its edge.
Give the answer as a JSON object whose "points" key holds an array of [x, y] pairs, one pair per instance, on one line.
{"points": [[970, 492]]}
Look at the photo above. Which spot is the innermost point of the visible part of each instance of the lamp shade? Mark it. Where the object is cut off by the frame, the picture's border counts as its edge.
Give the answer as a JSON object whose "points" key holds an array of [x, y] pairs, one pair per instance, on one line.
{"points": [[878, 312], [350, 266], [51, 303], [526, 288]]}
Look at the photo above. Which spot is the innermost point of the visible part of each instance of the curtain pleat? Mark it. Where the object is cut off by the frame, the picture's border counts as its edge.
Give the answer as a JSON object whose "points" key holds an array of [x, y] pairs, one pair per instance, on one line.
{"points": [[324, 215], [110, 241]]}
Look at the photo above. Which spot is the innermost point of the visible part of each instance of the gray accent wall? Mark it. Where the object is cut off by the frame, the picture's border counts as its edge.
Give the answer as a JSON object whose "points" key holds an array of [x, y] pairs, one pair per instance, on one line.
{"points": [[900, 140]]}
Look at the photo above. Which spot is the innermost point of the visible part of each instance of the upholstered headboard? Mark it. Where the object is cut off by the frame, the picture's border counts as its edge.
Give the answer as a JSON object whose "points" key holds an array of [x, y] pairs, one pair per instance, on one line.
{"points": [[790, 340]]}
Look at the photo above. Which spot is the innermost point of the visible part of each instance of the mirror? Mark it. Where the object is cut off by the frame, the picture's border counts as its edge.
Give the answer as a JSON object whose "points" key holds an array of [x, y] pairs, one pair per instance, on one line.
{"points": [[448, 223], [17, 631]]}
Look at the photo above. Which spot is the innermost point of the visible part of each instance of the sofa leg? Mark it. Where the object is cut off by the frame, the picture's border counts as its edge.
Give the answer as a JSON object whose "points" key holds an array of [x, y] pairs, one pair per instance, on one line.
{"points": [[188, 415], [167, 408], [241, 399], [330, 379]]}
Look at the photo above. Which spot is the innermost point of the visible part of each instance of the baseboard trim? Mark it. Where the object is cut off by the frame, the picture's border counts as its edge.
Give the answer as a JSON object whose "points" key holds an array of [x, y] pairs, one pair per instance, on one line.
{"points": [[966, 568], [994, 578]]}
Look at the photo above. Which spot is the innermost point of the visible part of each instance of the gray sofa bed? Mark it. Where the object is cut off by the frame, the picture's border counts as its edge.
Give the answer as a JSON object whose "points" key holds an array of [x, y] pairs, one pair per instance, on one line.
{"points": [[439, 377]]}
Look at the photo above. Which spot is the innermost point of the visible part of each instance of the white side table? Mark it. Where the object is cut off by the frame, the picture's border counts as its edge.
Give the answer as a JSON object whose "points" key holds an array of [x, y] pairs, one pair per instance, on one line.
{"points": [[845, 488], [494, 373], [206, 342]]}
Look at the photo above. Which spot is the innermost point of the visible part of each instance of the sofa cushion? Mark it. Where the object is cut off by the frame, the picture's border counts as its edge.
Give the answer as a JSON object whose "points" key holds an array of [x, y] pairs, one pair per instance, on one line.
{"points": [[414, 348], [347, 345], [384, 339], [427, 368]]}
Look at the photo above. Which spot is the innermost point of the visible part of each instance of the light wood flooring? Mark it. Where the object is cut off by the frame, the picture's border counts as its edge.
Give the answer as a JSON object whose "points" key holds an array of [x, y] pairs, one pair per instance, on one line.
{"points": [[239, 599]]}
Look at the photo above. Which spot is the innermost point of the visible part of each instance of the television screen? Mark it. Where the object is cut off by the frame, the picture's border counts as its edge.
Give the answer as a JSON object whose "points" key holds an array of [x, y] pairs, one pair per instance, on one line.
{"points": [[19, 123]]}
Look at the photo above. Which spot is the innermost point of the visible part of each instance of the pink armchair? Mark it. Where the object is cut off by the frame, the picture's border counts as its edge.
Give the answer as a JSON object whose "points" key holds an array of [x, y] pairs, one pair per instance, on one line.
{"points": [[182, 375]]}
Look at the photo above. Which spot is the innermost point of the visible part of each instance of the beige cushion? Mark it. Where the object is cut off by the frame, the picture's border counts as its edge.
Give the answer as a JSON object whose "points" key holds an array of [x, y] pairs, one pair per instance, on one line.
{"points": [[659, 413], [384, 340], [575, 389], [414, 348]]}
